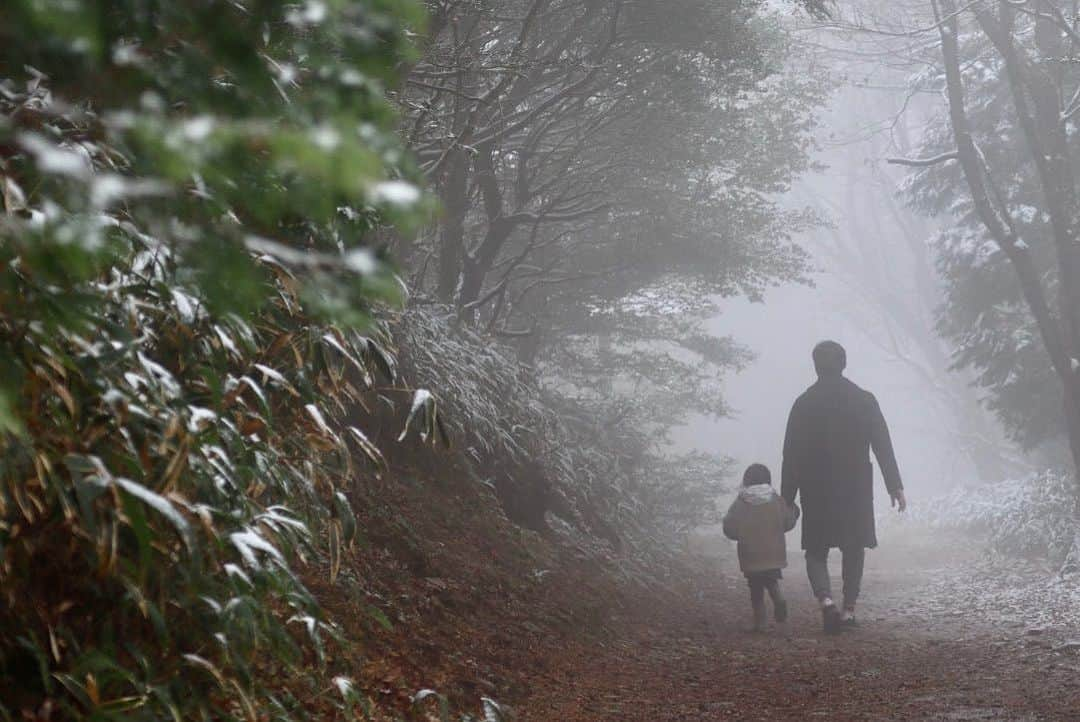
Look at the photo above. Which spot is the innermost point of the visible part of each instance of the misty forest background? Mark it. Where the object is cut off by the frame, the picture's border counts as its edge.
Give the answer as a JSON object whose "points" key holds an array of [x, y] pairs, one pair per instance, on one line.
{"points": [[304, 303]]}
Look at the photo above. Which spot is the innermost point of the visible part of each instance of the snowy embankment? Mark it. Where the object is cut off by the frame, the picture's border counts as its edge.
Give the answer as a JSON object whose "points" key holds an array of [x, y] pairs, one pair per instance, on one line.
{"points": [[1029, 517], [1012, 538]]}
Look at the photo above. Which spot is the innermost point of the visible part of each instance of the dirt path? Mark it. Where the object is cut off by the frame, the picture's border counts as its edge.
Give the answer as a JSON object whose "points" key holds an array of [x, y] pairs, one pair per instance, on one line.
{"points": [[940, 640]]}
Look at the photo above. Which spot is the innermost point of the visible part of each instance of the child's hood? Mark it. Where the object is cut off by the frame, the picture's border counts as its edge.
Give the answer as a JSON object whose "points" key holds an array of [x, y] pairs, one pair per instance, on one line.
{"points": [[757, 494]]}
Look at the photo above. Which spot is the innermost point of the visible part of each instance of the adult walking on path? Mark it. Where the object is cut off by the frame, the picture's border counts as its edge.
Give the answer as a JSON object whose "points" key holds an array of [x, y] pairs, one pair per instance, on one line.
{"points": [[830, 432]]}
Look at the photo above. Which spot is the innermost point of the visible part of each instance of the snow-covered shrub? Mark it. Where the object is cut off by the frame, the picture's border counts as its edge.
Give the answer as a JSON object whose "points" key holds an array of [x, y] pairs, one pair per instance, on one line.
{"points": [[551, 454], [1031, 517], [189, 308]]}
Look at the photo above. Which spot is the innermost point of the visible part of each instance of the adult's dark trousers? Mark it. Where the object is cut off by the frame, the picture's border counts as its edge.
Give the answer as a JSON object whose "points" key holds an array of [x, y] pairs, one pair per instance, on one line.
{"points": [[851, 565]]}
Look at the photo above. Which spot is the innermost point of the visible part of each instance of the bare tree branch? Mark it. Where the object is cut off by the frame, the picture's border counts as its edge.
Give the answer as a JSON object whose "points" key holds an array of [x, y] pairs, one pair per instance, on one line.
{"points": [[924, 162]]}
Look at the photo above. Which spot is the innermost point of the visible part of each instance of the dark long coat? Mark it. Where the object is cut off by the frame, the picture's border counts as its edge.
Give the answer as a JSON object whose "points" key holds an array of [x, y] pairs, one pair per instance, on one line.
{"points": [[831, 430]]}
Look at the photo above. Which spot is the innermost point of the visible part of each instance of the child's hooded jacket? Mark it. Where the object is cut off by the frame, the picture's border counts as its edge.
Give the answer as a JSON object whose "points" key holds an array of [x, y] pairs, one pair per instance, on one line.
{"points": [[758, 519]]}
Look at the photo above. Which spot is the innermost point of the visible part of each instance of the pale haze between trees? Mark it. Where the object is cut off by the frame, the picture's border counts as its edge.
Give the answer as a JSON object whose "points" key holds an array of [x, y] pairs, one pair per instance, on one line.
{"points": [[875, 283]]}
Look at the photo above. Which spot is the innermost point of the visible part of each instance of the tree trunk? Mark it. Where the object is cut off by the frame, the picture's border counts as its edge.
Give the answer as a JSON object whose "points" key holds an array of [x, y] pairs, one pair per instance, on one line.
{"points": [[479, 261], [455, 203]]}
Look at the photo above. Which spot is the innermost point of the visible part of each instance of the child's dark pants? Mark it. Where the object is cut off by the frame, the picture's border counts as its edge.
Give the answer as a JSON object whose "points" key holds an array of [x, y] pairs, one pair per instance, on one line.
{"points": [[761, 582]]}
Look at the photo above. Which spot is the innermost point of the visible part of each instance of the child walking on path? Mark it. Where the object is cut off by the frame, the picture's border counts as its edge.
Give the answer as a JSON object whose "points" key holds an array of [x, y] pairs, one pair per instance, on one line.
{"points": [[758, 520]]}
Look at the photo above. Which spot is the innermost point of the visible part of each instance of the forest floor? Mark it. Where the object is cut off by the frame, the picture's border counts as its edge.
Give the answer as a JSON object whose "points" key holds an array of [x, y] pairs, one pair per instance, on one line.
{"points": [[444, 593], [946, 633]]}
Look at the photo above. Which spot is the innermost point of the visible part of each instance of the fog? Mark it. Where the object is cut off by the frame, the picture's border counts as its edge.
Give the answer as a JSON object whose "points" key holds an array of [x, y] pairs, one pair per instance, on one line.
{"points": [[782, 329], [781, 332], [873, 286]]}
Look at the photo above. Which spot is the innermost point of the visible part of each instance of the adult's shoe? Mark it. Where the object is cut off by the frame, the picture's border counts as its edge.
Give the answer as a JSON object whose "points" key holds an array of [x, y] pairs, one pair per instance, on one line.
{"points": [[831, 621]]}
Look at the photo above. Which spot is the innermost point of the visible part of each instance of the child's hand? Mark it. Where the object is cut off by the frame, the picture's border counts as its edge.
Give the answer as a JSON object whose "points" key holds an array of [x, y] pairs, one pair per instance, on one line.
{"points": [[898, 500]]}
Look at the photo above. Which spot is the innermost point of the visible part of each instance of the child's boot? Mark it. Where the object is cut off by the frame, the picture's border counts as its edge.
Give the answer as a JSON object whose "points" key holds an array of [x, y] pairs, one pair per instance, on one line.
{"points": [[780, 609], [760, 618]]}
